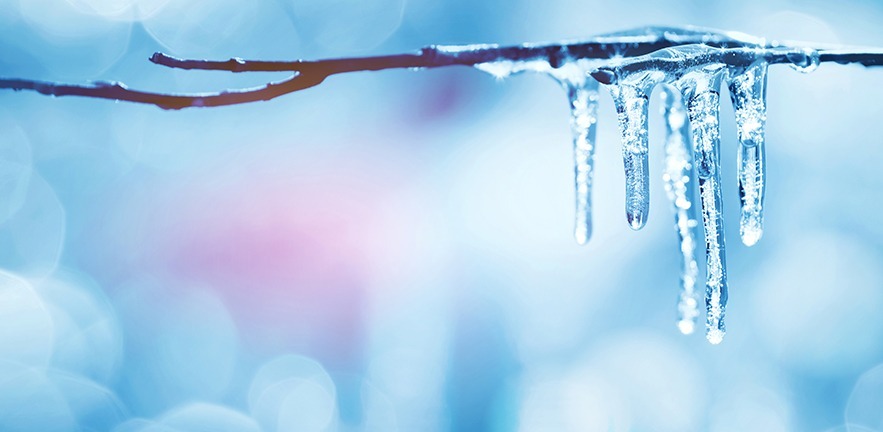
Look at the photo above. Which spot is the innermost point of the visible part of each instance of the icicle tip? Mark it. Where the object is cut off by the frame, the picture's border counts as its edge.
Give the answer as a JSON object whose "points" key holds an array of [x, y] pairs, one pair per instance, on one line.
{"points": [[715, 336], [751, 235]]}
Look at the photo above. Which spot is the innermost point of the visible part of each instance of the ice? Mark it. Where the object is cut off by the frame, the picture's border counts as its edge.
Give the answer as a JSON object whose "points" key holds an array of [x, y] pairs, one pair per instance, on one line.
{"points": [[685, 35], [804, 59], [631, 107], [691, 75], [703, 110], [631, 97], [690, 63], [748, 92], [700, 89], [583, 120], [582, 94], [696, 71], [680, 188], [504, 68]]}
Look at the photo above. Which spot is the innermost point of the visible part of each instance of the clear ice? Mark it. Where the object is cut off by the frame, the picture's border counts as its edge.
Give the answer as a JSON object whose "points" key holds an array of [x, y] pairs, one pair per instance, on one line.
{"points": [[748, 93], [632, 103], [582, 94], [680, 188], [703, 102], [690, 76], [583, 120]]}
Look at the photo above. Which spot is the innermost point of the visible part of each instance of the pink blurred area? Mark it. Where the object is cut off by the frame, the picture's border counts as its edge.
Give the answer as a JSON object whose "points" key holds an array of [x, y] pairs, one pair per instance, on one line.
{"points": [[291, 246]]}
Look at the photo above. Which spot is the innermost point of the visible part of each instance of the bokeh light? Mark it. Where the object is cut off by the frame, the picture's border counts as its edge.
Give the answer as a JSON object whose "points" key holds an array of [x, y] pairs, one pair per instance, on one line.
{"points": [[293, 393], [35, 234], [88, 337], [69, 42], [865, 401], [190, 353], [810, 331], [28, 337], [393, 251]]}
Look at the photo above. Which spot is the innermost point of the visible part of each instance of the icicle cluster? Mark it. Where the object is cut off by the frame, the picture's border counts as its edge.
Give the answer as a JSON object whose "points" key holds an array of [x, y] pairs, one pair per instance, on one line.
{"points": [[690, 77]]}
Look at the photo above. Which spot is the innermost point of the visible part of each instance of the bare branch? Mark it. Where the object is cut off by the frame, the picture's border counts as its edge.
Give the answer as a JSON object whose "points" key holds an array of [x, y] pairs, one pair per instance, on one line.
{"points": [[119, 91]]}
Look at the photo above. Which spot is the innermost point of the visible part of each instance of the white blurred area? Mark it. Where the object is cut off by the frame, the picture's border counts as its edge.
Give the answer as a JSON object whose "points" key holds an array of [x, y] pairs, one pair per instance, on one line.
{"points": [[393, 251]]}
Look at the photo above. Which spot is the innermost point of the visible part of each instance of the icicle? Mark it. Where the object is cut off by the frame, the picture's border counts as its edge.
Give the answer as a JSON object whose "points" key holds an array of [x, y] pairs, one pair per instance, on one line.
{"points": [[697, 71], [748, 93], [680, 188], [701, 92], [582, 94], [583, 120], [630, 82], [631, 106]]}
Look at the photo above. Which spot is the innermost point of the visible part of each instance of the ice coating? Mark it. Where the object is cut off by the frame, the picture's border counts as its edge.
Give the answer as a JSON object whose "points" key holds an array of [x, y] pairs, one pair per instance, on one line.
{"points": [[748, 93], [700, 90], [804, 60], [504, 68], [680, 188]]}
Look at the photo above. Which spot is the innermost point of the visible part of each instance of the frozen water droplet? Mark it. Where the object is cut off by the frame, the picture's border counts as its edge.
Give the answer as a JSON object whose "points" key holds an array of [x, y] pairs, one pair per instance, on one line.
{"points": [[804, 60], [636, 220]]}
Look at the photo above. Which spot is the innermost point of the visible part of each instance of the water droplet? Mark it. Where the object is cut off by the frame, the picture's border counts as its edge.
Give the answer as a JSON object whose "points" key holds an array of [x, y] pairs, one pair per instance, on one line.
{"points": [[804, 60]]}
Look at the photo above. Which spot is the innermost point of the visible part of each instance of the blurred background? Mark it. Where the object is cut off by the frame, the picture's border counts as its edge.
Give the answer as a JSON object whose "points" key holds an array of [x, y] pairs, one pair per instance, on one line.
{"points": [[393, 251]]}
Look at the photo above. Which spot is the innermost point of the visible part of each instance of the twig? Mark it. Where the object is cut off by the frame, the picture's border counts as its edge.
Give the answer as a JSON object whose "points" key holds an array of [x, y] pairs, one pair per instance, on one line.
{"points": [[311, 73], [119, 91]]}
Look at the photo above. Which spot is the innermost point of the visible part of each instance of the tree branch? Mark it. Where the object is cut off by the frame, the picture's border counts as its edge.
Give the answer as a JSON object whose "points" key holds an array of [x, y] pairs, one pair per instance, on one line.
{"points": [[308, 74]]}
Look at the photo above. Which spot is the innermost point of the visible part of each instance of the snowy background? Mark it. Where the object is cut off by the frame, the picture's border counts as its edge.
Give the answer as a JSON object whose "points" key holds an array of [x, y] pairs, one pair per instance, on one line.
{"points": [[393, 251]]}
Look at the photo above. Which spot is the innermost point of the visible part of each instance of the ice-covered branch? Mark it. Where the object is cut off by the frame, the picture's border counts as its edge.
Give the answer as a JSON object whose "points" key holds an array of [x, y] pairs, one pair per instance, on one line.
{"points": [[691, 65], [308, 74]]}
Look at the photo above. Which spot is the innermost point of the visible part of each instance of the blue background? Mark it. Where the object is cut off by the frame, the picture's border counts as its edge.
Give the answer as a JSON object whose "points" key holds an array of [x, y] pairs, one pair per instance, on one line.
{"points": [[393, 250]]}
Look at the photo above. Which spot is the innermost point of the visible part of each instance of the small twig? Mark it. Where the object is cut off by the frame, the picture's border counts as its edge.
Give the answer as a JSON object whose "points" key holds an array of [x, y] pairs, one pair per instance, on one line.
{"points": [[119, 91], [311, 73]]}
